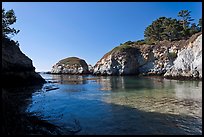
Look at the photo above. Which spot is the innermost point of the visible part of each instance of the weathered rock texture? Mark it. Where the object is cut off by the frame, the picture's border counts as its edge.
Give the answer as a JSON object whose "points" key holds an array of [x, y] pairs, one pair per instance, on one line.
{"points": [[71, 65], [130, 58], [90, 67], [189, 61], [17, 68], [122, 60]]}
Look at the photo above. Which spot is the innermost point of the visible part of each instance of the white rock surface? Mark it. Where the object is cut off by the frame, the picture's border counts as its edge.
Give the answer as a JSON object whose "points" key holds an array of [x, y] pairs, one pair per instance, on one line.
{"points": [[120, 62], [73, 65], [189, 61]]}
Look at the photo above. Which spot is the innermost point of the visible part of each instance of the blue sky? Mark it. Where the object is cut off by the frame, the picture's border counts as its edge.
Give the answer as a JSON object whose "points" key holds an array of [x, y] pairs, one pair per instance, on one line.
{"points": [[51, 31]]}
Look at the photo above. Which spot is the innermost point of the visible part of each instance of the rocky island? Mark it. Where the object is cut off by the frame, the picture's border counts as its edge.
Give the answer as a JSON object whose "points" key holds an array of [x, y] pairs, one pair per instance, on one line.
{"points": [[71, 65]]}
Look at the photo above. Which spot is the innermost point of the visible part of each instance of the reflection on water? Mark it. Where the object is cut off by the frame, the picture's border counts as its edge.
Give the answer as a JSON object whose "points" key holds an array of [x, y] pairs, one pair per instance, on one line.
{"points": [[155, 95], [70, 79], [121, 104]]}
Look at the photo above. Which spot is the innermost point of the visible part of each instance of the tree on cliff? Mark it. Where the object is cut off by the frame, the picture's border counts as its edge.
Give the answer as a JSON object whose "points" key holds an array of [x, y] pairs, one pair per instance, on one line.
{"points": [[153, 31], [185, 22], [194, 28], [172, 29], [163, 29], [8, 18], [186, 18], [200, 23]]}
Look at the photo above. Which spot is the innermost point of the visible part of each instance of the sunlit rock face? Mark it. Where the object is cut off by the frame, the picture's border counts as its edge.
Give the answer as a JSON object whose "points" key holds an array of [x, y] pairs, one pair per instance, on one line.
{"points": [[136, 59], [17, 68], [168, 58], [122, 60], [189, 61], [71, 65]]}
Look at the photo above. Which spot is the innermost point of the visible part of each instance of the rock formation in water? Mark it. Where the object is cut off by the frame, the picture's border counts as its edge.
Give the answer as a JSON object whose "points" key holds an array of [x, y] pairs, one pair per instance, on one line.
{"points": [[159, 59], [122, 60], [71, 65], [90, 67], [189, 60], [17, 68]]}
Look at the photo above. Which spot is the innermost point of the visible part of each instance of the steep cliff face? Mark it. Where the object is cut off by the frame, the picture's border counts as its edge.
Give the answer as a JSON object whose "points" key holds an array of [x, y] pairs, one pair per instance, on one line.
{"points": [[189, 61], [135, 59], [17, 68], [122, 60], [154, 59], [71, 65]]}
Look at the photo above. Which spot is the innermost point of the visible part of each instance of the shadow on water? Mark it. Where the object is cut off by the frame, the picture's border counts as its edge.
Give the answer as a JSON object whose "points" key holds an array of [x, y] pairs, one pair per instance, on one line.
{"points": [[93, 115], [15, 120], [124, 120]]}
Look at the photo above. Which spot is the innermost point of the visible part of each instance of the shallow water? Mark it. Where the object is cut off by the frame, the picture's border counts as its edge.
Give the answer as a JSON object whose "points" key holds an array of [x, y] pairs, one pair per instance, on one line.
{"points": [[120, 105]]}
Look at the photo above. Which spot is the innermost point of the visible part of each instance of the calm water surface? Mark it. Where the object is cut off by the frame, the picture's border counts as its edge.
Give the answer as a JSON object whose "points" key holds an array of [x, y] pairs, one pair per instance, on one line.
{"points": [[120, 105]]}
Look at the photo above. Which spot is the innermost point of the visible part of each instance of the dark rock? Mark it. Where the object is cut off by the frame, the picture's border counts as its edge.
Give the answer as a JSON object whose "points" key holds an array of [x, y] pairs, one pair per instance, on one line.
{"points": [[17, 68]]}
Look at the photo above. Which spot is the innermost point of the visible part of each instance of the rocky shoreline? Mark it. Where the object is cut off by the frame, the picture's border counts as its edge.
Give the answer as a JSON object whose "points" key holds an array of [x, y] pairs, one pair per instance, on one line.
{"points": [[173, 60]]}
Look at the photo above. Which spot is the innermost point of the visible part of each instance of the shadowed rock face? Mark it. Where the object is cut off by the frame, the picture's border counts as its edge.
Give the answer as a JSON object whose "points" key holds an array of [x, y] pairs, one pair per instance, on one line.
{"points": [[17, 68], [71, 65]]}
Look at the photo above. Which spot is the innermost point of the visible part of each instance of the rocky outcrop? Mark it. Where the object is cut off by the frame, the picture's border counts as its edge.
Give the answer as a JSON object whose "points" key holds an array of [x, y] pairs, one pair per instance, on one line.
{"points": [[71, 65], [135, 59], [189, 61], [158, 59], [122, 60], [90, 68], [17, 68]]}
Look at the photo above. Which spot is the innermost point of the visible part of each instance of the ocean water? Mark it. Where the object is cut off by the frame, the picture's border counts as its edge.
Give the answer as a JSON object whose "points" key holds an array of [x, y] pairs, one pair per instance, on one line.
{"points": [[119, 105]]}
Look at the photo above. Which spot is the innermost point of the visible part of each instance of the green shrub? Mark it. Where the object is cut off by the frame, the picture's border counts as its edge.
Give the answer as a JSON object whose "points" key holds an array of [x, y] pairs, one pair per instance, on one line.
{"points": [[172, 55]]}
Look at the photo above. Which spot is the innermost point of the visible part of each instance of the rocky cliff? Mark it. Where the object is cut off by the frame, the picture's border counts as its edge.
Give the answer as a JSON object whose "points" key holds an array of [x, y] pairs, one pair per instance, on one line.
{"points": [[17, 68], [122, 60], [71, 65], [157, 59], [189, 60]]}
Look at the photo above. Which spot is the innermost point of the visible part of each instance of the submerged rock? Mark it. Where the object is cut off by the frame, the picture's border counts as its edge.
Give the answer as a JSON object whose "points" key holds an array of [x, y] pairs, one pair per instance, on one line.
{"points": [[71, 65], [17, 68]]}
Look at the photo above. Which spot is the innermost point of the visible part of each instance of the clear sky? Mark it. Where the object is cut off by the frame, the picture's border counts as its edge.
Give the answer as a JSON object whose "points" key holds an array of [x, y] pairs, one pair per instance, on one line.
{"points": [[51, 31]]}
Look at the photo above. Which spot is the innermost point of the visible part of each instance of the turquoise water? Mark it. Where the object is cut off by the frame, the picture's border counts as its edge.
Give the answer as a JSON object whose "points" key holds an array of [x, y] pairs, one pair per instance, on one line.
{"points": [[120, 105]]}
